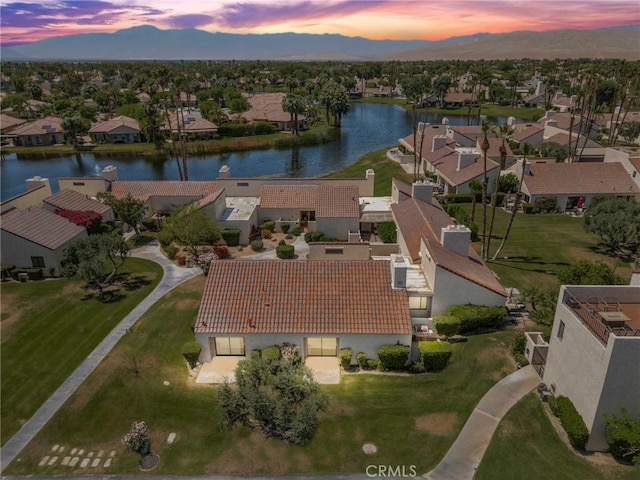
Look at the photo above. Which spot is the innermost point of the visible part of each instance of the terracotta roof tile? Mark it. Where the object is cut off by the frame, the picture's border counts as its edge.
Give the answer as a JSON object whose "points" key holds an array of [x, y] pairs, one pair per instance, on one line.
{"points": [[40, 226], [144, 189], [327, 200], [579, 179], [314, 297], [71, 200], [115, 122], [42, 126]]}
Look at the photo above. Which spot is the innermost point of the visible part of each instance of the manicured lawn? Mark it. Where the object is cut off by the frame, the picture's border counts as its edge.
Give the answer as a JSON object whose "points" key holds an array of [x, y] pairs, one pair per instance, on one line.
{"points": [[385, 170], [526, 445], [47, 331], [412, 419], [539, 246]]}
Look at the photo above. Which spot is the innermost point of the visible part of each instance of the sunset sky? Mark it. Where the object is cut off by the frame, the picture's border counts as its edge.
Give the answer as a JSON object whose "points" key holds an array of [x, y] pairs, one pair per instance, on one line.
{"points": [[27, 21]]}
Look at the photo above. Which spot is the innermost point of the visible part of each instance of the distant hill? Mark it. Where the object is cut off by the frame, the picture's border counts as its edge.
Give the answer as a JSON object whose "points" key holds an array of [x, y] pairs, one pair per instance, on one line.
{"points": [[151, 43]]}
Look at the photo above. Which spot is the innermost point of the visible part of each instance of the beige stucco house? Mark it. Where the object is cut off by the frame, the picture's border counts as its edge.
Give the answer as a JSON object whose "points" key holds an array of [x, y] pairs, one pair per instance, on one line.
{"points": [[594, 353], [44, 131], [120, 129]]}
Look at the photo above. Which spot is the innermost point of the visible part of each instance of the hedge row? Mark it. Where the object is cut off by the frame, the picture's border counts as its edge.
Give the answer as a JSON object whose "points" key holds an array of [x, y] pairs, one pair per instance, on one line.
{"points": [[285, 251], [246, 129], [231, 236], [393, 357], [468, 197], [310, 237], [345, 358], [474, 317], [571, 421], [448, 326], [435, 355]]}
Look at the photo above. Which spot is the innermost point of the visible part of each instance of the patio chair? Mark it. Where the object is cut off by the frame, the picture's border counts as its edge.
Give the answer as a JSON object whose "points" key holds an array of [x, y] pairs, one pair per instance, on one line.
{"points": [[611, 304]]}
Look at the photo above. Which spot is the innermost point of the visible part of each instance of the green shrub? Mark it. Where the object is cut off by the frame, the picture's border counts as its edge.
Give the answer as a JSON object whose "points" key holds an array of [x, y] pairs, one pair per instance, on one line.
{"points": [[266, 233], [571, 421], [271, 354], [282, 242], [361, 358], [528, 208], [314, 237], [5, 271], [417, 367], [387, 232], [150, 224], [32, 273], [117, 232], [254, 354], [521, 359], [518, 342], [623, 436], [345, 358], [191, 352], [435, 355], [269, 225], [475, 317], [256, 245], [285, 228], [546, 204], [448, 326], [296, 231], [393, 357], [171, 251], [165, 239], [231, 236], [372, 364], [285, 251]]}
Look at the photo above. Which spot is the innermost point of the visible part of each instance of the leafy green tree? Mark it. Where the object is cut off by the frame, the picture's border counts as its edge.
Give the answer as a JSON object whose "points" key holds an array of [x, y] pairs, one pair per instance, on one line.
{"points": [[585, 272], [191, 227], [88, 258], [553, 149], [335, 99], [74, 125], [543, 303], [278, 396], [630, 131], [617, 222], [128, 209], [441, 85], [508, 183], [623, 436]]}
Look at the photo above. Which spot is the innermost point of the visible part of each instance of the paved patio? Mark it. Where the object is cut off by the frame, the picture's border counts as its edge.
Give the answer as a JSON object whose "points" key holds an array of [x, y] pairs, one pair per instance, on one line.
{"points": [[220, 369], [326, 370]]}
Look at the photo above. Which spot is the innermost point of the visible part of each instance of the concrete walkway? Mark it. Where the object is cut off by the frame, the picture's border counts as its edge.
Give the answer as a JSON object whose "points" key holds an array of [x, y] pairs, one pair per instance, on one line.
{"points": [[464, 456], [173, 276]]}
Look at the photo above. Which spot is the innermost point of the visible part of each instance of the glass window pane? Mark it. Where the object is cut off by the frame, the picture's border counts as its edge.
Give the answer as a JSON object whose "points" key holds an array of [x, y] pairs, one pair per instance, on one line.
{"points": [[329, 347], [314, 347]]}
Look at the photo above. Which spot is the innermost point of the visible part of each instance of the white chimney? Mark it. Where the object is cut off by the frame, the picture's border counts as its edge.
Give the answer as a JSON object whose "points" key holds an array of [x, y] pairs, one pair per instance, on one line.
{"points": [[422, 190], [438, 142], [224, 172], [511, 121], [465, 159], [456, 238], [35, 182], [398, 272], [110, 173]]}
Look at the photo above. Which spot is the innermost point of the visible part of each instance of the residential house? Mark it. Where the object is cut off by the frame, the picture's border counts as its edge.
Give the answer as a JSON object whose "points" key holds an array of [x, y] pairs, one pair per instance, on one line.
{"points": [[44, 131], [36, 238], [531, 134], [38, 189], [629, 161], [570, 182], [120, 129], [564, 103], [594, 353], [267, 107], [193, 125], [71, 200], [8, 123]]}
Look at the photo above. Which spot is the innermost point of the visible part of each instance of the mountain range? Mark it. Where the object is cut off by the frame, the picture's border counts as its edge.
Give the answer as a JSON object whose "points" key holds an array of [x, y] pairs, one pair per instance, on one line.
{"points": [[151, 43]]}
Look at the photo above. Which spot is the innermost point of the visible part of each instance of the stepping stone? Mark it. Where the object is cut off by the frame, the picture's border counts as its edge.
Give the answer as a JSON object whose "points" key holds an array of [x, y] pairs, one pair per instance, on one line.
{"points": [[81, 452], [65, 461], [112, 453], [101, 453], [90, 454], [107, 462], [166, 383], [95, 463], [52, 460], [61, 449], [73, 451], [55, 448], [171, 438], [369, 448], [43, 461], [74, 461], [85, 462]]}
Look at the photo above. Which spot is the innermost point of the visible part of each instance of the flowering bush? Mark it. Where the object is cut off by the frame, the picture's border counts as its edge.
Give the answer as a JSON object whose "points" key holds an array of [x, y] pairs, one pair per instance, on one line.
{"points": [[88, 219], [221, 252], [287, 350], [137, 438], [204, 260]]}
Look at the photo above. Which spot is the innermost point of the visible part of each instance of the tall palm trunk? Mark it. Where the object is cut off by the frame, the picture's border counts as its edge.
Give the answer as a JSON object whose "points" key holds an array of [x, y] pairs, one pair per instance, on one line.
{"points": [[174, 151], [494, 197], [183, 145], [485, 181], [516, 205]]}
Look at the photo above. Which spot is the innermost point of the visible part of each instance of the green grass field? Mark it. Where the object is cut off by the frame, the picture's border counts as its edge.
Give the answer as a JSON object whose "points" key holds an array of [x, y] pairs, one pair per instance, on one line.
{"points": [[412, 419], [48, 329], [526, 445]]}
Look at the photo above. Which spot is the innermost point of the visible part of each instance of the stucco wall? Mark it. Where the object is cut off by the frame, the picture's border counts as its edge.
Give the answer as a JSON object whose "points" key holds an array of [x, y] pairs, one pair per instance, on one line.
{"points": [[337, 227], [86, 186], [450, 289], [31, 198], [350, 251], [252, 187]]}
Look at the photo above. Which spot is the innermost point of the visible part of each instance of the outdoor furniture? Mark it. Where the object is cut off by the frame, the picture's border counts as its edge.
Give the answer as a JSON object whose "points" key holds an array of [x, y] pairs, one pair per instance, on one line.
{"points": [[611, 304]]}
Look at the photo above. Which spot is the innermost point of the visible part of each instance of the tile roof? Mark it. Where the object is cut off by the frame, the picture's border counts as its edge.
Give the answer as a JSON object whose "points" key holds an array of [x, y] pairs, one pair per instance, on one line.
{"points": [[209, 199], [40, 226], [327, 200], [268, 107], [310, 297], [115, 122], [193, 123], [591, 178], [143, 190], [526, 133], [445, 161], [7, 121], [42, 126], [402, 187], [419, 221], [71, 200]]}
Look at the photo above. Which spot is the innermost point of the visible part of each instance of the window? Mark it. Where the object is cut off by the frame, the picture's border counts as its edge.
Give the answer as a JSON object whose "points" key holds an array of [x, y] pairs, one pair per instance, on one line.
{"points": [[37, 262], [229, 346], [242, 184], [561, 330], [78, 184], [418, 303], [333, 251], [322, 347]]}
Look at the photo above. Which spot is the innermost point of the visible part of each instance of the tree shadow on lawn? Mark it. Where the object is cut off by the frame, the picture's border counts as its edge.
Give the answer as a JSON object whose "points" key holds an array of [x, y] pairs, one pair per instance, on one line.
{"points": [[601, 249], [113, 293]]}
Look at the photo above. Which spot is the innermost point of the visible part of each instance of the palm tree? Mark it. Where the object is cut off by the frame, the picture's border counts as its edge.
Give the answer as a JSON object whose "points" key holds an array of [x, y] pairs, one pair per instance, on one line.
{"points": [[295, 105], [484, 146], [74, 125], [475, 187], [503, 132]]}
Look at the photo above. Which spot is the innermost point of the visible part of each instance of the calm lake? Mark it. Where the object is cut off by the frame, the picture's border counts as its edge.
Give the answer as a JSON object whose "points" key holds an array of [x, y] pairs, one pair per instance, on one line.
{"points": [[367, 127]]}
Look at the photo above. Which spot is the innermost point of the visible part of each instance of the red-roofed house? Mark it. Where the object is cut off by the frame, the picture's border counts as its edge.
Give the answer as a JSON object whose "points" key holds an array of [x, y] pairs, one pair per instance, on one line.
{"points": [[267, 107], [44, 131], [120, 129], [72, 200], [36, 238]]}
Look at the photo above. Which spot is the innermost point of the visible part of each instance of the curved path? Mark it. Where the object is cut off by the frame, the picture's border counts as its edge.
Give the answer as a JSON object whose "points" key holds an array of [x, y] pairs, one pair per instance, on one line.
{"points": [[173, 276], [464, 456]]}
